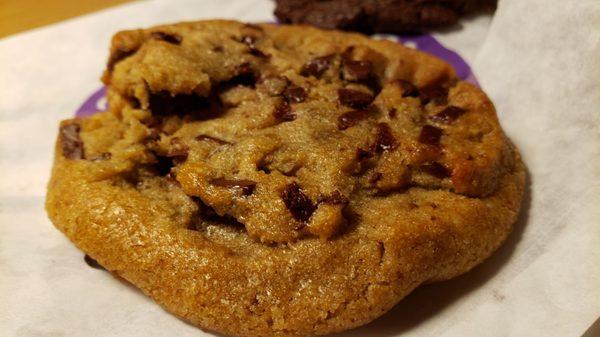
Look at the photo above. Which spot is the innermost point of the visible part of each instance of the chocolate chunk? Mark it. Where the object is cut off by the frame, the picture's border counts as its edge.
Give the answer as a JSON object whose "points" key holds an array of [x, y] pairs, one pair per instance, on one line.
{"points": [[283, 112], [436, 169], [274, 85], [435, 93], [448, 115], [244, 185], [178, 148], [72, 146], [163, 103], [385, 139], [363, 154], [163, 165], [316, 67], [167, 37], [336, 198], [408, 89], [118, 55], [294, 94], [102, 156], [298, 203], [218, 49], [92, 263], [356, 71], [351, 118], [212, 139], [354, 98], [430, 135], [244, 75]]}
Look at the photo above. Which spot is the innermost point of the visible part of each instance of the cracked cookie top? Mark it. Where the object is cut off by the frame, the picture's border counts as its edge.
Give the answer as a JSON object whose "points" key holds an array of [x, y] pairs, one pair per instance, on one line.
{"points": [[287, 133]]}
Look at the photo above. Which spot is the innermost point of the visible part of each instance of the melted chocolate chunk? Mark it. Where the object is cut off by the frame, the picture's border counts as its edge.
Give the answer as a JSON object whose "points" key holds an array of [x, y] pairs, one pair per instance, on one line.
{"points": [[167, 37], [163, 103], [298, 203], [354, 98], [430, 135], [436, 94], [408, 89], [385, 139], [356, 71], [212, 139], [448, 115], [283, 112], [295, 94], [117, 56], [218, 49], [244, 185], [351, 118], [316, 67], [336, 198], [92, 263], [72, 146], [436, 169]]}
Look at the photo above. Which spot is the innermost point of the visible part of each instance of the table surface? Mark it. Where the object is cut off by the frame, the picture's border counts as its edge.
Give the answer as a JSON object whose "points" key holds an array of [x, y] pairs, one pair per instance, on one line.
{"points": [[21, 15]]}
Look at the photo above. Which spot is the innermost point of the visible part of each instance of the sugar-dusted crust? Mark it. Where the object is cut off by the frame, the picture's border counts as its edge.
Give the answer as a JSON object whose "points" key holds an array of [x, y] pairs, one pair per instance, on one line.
{"points": [[283, 181]]}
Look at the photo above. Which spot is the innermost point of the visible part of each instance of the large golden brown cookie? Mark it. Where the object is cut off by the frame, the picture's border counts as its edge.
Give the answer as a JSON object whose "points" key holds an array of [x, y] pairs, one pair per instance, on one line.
{"points": [[263, 180]]}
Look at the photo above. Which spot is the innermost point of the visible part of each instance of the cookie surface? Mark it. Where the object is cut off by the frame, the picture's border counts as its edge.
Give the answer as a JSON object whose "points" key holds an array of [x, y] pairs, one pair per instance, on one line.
{"points": [[263, 180], [377, 16]]}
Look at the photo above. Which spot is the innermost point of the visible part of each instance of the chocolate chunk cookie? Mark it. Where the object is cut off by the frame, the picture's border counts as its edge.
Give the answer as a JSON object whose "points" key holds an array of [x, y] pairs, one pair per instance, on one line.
{"points": [[264, 180], [377, 16]]}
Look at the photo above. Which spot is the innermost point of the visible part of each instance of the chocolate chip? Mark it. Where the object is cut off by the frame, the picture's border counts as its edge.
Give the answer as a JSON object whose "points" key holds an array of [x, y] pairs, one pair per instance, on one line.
{"points": [[102, 156], [385, 139], [212, 139], [72, 146], [351, 118], [294, 94], [298, 203], [244, 185], [316, 67], [354, 98], [435, 93], [163, 103], [356, 71], [436, 169], [118, 55], [408, 89], [283, 112], [218, 49], [274, 85], [250, 41], [167, 37], [392, 113], [430, 135], [92, 263], [336, 198], [448, 115]]}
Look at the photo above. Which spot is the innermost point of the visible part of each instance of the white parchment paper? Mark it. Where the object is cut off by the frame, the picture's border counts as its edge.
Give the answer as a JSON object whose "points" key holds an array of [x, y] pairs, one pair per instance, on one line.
{"points": [[539, 60]]}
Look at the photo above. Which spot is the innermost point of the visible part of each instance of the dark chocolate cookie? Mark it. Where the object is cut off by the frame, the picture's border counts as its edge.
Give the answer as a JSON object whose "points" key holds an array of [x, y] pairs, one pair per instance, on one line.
{"points": [[377, 16]]}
